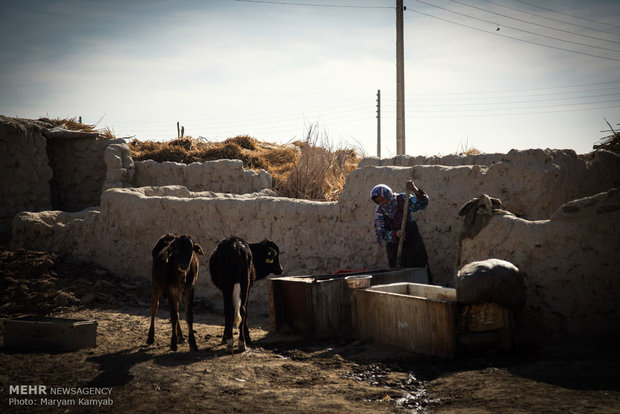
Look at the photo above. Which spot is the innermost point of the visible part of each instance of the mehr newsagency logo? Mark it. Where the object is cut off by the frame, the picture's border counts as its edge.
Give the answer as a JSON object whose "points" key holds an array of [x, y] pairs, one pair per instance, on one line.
{"points": [[43, 395]]}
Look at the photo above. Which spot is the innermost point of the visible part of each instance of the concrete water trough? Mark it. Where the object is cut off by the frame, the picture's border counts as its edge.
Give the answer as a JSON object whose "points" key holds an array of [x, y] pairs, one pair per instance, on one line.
{"points": [[46, 334], [321, 305]]}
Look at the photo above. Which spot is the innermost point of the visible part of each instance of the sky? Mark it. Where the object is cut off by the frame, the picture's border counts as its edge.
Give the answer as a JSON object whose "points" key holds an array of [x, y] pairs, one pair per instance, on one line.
{"points": [[493, 75]]}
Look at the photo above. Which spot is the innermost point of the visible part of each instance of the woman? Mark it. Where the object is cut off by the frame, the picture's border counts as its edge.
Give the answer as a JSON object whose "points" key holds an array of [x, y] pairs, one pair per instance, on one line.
{"points": [[388, 221]]}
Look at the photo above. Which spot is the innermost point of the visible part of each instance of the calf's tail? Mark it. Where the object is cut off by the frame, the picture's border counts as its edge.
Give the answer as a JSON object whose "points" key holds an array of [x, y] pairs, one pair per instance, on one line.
{"points": [[237, 304]]}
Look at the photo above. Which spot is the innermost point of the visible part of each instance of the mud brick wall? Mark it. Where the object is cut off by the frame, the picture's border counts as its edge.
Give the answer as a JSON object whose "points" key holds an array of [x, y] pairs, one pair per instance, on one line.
{"points": [[24, 172]]}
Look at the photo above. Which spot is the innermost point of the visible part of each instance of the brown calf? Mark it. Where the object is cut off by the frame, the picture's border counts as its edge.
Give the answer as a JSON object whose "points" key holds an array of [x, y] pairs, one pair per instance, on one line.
{"points": [[175, 271]]}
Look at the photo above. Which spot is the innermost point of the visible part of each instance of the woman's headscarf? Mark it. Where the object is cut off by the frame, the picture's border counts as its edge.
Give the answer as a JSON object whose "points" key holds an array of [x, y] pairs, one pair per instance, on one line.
{"points": [[381, 190]]}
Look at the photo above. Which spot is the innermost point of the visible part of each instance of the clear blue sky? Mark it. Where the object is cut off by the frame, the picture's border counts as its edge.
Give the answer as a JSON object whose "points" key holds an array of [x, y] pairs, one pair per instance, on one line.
{"points": [[268, 69]]}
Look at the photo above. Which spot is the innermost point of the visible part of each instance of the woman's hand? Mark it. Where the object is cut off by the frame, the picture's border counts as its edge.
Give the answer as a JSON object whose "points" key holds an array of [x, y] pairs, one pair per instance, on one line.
{"points": [[412, 187]]}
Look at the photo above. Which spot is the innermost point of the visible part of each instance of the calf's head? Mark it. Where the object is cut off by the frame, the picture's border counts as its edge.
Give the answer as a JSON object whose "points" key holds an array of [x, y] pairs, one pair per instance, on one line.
{"points": [[179, 253], [266, 258]]}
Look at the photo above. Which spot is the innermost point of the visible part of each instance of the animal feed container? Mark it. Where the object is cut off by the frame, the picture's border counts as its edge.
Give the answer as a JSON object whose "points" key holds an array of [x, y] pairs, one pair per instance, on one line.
{"points": [[49, 334], [427, 319], [321, 305]]}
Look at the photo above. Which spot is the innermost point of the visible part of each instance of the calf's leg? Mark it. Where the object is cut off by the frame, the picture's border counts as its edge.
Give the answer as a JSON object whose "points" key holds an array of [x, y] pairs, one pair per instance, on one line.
{"points": [[174, 320], [180, 336], [227, 338], [154, 305], [189, 318], [244, 333]]}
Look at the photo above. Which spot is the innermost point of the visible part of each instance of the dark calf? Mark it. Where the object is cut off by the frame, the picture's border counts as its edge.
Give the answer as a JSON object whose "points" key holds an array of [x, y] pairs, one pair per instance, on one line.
{"points": [[175, 271], [234, 266]]}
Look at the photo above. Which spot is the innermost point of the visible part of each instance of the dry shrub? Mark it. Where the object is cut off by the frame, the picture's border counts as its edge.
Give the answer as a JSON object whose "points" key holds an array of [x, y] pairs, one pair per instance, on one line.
{"points": [[467, 148], [320, 171], [107, 132], [471, 151]]}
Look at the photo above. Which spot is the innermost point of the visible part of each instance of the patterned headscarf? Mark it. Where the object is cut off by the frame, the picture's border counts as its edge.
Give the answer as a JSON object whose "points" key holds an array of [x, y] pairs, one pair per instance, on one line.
{"points": [[381, 190]]}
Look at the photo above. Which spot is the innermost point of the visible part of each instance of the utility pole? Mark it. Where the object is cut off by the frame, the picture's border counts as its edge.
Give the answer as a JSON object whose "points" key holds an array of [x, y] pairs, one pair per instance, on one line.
{"points": [[400, 81], [379, 123]]}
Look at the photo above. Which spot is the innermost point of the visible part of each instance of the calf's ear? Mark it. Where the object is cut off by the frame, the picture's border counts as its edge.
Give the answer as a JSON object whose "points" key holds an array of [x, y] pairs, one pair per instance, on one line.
{"points": [[165, 254], [271, 255], [198, 249]]}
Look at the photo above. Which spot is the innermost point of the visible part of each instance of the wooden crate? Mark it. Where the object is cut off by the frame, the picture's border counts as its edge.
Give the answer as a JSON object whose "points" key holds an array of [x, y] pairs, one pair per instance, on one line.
{"points": [[417, 317], [321, 305], [49, 334]]}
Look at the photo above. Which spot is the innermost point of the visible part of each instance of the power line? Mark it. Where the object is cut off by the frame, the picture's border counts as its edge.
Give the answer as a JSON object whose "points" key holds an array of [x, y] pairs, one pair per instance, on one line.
{"points": [[513, 38], [524, 92], [444, 114], [580, 85], [566, 14], [536, 24], [551, 18], [516, 28], [517, 102], [284, 3]]}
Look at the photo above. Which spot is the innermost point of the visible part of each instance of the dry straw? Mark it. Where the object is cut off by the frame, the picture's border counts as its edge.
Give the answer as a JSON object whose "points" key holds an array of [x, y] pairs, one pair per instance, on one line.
{"points": [[309, 169]]}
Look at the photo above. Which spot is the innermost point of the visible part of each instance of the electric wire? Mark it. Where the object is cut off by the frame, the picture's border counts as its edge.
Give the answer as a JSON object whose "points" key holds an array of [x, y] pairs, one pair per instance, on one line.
{"points": [[551, 18], [566, 14], [580, 85], [534, 24], [348, 6], [512, 37], [516, 28], [358, 109]]}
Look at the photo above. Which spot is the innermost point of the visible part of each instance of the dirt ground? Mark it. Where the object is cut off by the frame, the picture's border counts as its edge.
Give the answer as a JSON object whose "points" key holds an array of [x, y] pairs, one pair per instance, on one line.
{"points": [[282, 373]]}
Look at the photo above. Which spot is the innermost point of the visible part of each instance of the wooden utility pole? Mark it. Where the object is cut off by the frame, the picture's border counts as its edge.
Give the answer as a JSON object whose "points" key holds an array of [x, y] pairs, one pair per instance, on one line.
{"points": [[400, 81], [379, 123]]}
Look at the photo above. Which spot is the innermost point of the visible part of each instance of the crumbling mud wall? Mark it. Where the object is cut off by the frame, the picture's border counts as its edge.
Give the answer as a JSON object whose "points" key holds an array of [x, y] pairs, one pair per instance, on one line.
{"points": [[24, 171], [223, 176], [45, 167], [448, 160], [121, 235], [79, 169], [528, 186], [569, 262], [533, 182], [319, 237]]}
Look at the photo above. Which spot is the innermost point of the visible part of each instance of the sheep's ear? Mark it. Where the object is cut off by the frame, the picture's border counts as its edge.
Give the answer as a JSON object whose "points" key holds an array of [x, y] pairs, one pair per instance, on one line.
{"points": [[198, 249]]}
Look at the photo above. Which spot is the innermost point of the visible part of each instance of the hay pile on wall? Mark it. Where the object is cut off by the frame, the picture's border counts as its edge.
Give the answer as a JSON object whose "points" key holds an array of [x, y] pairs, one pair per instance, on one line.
{"points": [[302, 169]]}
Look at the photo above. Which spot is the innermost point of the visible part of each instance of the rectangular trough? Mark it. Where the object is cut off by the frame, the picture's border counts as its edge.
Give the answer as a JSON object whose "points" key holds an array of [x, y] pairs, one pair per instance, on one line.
{"points": [[426, 319], [47, 334], [321, 305]]}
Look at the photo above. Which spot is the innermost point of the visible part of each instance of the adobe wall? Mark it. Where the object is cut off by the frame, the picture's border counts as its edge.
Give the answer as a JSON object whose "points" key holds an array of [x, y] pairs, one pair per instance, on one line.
{"points": [[570, 265], [79, 169], [449, 160], [24, 171], [223, 176], [121, 234], [44, 167], [319, 237], [533, 183]]}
